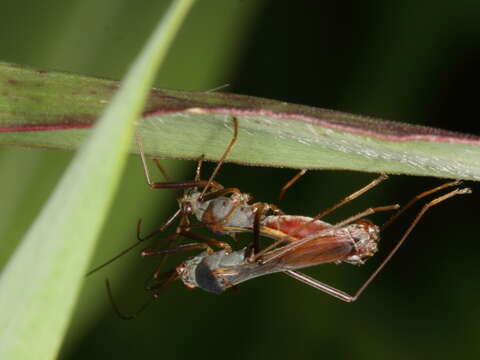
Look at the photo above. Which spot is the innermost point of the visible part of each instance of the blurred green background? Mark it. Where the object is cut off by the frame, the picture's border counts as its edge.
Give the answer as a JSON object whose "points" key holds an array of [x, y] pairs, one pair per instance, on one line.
{"points": [[408, 61]]}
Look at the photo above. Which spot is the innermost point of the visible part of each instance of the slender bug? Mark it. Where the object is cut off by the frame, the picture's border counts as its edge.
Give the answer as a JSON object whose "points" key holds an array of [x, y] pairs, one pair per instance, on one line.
{"points": [[308, 242]]}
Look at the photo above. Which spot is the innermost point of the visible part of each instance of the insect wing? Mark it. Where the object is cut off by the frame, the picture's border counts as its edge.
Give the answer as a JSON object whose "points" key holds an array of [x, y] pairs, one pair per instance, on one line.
{"points": [[317, 250]]}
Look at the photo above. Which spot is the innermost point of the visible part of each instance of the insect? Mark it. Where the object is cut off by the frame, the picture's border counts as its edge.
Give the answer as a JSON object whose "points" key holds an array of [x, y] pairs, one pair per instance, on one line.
{"points": [[309, 242]]}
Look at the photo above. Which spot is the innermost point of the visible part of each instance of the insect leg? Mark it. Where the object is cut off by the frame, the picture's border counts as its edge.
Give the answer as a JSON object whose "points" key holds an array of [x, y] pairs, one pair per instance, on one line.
{"points": [[207, 240], [161, 169], [199, 167], [350, 298], [203, 242], [416, 198], [254, 247], [165, 184], [215, 194], [330, 290], [163, 279], [224, 156], [169, 278], [415, 221], [292, 181], [353, 196], [178, 249]]}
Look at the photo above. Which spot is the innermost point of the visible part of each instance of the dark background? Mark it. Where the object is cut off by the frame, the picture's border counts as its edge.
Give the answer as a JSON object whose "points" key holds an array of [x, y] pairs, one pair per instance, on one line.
{"points": [[408, 61]]}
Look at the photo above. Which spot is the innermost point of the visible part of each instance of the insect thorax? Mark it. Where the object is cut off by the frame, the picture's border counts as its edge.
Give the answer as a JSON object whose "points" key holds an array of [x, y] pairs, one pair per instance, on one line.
{"points": [[231, 211]]}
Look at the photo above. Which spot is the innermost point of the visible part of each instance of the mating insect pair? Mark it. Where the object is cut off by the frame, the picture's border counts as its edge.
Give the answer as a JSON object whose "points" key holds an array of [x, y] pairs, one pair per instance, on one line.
{"points": [[299, 241]]}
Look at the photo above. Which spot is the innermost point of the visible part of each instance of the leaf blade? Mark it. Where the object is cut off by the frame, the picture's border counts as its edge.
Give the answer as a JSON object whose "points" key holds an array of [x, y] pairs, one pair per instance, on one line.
{"points": [[40, 302], [272, 133]]}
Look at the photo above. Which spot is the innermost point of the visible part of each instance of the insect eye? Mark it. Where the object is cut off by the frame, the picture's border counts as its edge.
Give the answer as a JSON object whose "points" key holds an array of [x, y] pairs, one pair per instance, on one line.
{"points": [[187, 208], [180, 269]]}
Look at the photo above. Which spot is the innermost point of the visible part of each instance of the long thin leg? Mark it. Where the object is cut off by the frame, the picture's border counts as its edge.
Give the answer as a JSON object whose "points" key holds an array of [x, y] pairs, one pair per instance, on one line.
{"points": [[207, 240], [199, 167], [254, 247], [350, 298], [416, 198], [165, 185], [353, 196], [178, 249], [330, 290], [290, 183], [203, 242], [222, 192], [168, 278], [184, 223], [198, 170], [162, 170], [224, 156], [172, 241], [260, 209]]}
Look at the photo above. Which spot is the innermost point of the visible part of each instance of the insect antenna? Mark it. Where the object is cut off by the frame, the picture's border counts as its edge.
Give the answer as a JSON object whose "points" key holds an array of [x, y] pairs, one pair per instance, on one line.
{"points": [[108, 262], [125, 251], [140, 240]]}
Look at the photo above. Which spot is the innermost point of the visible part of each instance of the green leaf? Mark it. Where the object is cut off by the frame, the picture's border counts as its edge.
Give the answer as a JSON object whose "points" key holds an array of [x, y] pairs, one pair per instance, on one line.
{"points": [[40, 284], [49, 109]]}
